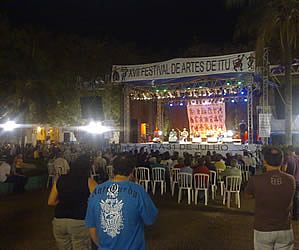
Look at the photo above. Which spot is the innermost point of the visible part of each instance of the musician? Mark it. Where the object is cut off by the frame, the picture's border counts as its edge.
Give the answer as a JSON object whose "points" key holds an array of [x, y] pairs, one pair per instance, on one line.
{"points": [[173, 136], [184, 135]]}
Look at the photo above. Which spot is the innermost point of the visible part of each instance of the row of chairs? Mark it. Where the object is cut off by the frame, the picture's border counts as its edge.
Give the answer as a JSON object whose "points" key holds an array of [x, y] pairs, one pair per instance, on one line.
{"points": [[193, 184]]}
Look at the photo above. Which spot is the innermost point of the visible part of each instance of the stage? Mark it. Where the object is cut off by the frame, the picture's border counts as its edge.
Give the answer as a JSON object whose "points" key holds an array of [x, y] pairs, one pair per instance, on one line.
{"points": [[192, 148]]}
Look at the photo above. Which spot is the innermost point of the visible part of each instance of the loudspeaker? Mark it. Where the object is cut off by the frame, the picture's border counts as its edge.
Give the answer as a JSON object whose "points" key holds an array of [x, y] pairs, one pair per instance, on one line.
{"points": [[91, 107]]}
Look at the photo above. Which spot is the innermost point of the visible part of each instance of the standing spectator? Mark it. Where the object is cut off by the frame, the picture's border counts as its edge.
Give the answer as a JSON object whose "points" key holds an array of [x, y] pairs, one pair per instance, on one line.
{"points": [[273, 192], [118, 209], [292, 163], [70, 194]]}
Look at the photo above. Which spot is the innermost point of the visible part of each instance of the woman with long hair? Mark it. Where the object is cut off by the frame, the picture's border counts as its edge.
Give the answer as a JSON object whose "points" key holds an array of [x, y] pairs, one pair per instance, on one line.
{"points": [[70, 194]]}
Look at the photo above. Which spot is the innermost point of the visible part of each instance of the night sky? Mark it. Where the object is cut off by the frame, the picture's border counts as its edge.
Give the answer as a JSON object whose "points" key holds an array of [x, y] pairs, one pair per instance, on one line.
{"points": [[156, 25]]}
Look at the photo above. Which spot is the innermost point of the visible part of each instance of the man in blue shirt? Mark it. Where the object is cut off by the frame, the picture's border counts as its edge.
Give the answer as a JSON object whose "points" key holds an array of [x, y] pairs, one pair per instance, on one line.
{"points": [[118, 209]]}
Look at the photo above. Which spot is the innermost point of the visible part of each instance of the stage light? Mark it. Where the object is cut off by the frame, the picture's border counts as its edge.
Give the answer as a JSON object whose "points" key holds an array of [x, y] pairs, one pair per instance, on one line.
{"points": [[171, 104], [189, 88], [95, 128], [181, 104], [239, 82], [165, 90], [157, 90], [245, 100], [233, 101], [227, 83], [9, 126]]}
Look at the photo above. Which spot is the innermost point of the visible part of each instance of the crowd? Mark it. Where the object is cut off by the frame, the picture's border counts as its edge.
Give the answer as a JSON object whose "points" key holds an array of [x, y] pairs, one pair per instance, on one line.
{"points": [[93, 211]]}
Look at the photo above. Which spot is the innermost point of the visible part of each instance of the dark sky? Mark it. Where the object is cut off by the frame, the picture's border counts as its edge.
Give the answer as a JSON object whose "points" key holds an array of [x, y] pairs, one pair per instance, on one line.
{"points": [[151, 24]]}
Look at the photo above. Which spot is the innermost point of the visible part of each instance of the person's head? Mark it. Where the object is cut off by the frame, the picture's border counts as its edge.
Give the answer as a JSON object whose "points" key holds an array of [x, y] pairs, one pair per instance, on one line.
{"points": [[234, 163], [208, 153], [273, 158], [187, 162], [180, 161], [208, 159], [218, 157], [200, 162], [291, 150], [122, 165]]}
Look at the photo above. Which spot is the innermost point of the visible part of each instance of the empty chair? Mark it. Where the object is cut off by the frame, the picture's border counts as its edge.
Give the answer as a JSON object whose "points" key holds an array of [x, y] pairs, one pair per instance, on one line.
{"points": [[201, 183], [185, 183], [232, 185], [213, 183], [174, 178], [158, 177], [143, 177], [109, 170]]}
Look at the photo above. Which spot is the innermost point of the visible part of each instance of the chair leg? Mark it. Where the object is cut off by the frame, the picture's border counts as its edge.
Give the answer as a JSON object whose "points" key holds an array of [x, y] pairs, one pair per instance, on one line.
{"points": [[206, 197], [189, 196], [146, 186], [223, 201], [221, 187], [228, 199], [154, 187], [196, 194], [213, 193], [172, 189], [179, 195], [162, 187], [239, 203]]}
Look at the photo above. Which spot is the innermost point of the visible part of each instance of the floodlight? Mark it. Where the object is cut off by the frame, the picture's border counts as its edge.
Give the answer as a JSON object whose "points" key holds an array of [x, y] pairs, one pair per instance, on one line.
{"points": [[9, 126], [95, 128]]}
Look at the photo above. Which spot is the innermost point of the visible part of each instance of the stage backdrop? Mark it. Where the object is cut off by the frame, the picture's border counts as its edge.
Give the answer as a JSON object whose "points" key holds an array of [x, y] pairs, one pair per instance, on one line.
{"points": [[205, 117]]}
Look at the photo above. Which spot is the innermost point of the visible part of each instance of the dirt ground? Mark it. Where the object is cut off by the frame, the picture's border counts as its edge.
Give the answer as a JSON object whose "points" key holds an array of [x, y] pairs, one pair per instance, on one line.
{"points": [[25, 224]]}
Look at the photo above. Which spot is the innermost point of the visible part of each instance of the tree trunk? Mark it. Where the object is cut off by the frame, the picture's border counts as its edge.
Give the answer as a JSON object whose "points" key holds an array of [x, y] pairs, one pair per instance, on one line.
{"points": [[288, 97]]}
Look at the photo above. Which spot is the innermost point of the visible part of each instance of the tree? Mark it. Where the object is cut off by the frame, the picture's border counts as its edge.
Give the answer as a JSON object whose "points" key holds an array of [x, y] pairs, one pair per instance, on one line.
{"points": [[278, 17]]}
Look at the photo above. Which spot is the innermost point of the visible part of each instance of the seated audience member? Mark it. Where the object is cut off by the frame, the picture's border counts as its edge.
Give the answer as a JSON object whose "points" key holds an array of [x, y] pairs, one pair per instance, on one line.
{"points": [[180, 163], [187, 166], [233, 170], [201, 168], [154, 163], [7, 176], [166, 161], [219, 164], [209, 163]]}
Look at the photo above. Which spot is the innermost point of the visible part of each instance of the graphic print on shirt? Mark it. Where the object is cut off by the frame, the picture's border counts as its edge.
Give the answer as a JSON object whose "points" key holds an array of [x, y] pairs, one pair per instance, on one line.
{"points": [[112, 221]]}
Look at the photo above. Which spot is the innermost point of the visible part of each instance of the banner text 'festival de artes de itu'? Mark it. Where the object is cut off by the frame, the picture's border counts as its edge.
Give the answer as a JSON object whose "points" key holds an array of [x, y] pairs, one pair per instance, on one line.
{"points": [[185, 67]]}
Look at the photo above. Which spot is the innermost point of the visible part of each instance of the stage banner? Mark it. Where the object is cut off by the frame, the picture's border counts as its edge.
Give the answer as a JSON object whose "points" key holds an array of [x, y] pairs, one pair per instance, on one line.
{"points": [[185, 67], [206, 119]]}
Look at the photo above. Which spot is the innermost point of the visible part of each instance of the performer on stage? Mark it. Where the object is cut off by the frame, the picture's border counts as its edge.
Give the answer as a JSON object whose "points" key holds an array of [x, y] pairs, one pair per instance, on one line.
{"points": [[173, 136], [184, 135], [243, 128], [157, 134]]}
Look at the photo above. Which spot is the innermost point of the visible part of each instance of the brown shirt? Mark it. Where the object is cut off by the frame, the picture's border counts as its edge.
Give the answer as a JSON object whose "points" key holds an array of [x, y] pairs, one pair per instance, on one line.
{"points": [[273, 192]]}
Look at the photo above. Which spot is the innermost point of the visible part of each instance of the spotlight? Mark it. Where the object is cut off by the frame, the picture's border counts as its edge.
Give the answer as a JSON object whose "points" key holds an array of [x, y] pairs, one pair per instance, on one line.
{"points": [[181, 104], [245, 100], [171, 104], [9, 126], [233, 101]]}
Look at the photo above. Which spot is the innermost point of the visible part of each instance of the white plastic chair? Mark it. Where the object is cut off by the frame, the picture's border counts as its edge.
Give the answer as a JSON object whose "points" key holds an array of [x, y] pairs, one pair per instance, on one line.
{"points": [[93, 173], [53, 174], [213, 183], [174, 179], [232, 185], [109, 170], [158, 176], [201, 183], [185, 183], [245, 172], [143, 177]]}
